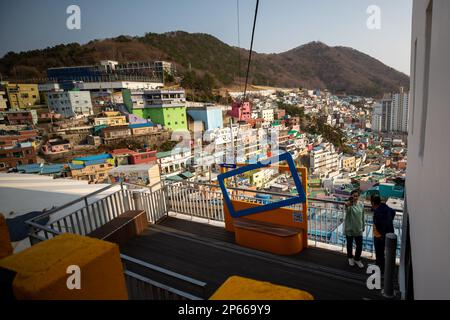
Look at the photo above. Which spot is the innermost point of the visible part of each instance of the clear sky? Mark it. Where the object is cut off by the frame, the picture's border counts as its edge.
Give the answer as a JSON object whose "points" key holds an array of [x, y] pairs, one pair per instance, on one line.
{"points": [[282, 24]]}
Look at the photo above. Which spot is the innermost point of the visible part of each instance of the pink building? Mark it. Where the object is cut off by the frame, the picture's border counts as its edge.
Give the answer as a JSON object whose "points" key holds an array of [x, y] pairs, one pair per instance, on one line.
{"points": [[56, 146], [242, 111]]}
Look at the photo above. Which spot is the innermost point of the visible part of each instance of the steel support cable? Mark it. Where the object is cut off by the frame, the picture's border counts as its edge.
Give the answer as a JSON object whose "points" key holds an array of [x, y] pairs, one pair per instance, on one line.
{"points": [[251, 49]]}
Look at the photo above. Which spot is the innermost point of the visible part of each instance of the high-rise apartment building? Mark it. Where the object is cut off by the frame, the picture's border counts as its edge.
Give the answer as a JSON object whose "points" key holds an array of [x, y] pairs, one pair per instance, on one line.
{"points": [[377, 118], [400, 103], [394, 112]]}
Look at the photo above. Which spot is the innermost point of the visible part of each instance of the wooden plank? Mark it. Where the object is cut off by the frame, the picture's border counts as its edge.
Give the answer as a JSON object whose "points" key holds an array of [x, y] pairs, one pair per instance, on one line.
{"points": [[213, 264], [122, 228]]}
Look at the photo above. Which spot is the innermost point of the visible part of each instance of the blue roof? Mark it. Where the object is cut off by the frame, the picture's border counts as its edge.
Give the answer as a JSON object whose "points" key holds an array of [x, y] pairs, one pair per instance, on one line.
{"points": [[76, 166], [53, 168], [95, 157], [93, 162], [30, 168], [141, 125], [41, 169]]}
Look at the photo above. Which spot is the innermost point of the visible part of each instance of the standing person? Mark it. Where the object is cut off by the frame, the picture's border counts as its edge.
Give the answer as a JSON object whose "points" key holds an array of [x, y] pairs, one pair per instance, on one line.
{"points": [[383, 223], [354, 227]]}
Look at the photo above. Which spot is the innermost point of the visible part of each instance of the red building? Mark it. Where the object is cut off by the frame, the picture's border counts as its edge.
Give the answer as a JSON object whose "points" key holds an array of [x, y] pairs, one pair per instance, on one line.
{"points": [[11, 138], [127, 156], [144, 156], [280, 114], [22, 153], [241, 111], [27, 117]]}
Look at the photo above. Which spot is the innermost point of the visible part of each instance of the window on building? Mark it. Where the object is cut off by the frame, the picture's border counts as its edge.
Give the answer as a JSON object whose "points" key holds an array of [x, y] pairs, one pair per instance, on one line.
{"points": [[414, 87], [426, 82]]}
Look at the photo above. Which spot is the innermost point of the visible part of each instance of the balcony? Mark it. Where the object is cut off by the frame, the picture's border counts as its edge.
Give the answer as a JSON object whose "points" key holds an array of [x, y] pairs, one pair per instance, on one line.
{"points": [[185, 253]]}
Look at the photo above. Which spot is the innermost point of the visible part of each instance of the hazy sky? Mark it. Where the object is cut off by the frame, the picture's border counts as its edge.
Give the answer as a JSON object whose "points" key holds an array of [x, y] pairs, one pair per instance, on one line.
{"points": [[282, 24]]}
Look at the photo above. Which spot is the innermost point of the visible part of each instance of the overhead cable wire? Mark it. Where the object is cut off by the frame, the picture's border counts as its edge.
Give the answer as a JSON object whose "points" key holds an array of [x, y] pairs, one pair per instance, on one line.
{"points": [[251, 49]]}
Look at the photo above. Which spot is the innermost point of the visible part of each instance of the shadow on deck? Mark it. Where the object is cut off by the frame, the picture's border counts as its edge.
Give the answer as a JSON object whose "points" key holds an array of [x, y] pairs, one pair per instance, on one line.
{"points": [[209, 253]]}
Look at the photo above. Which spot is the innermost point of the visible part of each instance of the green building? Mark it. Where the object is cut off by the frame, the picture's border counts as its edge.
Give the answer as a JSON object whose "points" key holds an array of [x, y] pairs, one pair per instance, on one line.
{"points": [[164, 107]]}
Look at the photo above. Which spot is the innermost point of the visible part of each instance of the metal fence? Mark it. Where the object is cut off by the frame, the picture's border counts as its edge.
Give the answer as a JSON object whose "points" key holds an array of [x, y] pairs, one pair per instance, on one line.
{"points": [[326, 225], [86, 214], [325, 217], [196, 200], [89, 213], [153, 202], [143, 288]]}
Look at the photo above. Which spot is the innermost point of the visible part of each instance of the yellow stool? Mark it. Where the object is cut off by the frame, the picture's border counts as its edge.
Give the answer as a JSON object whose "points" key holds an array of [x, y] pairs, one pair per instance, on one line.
{"points": [[239, 288], [42, 270]]}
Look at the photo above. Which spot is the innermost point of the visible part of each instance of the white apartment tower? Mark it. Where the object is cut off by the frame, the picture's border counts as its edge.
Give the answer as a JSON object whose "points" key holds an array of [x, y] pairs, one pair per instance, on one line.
{"points": [[400, 102], [394, 112], [377, 118]]}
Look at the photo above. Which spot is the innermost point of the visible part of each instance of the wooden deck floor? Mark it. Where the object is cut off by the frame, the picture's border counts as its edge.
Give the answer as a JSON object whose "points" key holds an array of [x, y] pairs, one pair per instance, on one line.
{"points": [[209, 254]]}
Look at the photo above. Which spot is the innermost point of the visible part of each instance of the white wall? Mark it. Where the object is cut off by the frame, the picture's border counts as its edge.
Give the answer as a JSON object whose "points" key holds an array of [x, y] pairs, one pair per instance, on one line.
{"points": [[132, 85], [428, 177]]}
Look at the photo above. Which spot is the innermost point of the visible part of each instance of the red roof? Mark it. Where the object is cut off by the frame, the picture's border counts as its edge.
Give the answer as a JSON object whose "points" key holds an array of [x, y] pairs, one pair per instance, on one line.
{"points": [[122, 151]]}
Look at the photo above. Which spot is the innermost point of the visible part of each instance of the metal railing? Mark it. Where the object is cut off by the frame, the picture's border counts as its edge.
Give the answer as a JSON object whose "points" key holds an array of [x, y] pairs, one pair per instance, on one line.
{"points": [[84, 215], [326, 225], [197, 200], [143, 288], [91, 213], [325, 217]]}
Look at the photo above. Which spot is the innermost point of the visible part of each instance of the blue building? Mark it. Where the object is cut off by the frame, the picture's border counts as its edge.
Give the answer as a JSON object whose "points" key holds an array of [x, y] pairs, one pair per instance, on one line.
{"points": [[211, 116], [386, 191], [68, 74]]}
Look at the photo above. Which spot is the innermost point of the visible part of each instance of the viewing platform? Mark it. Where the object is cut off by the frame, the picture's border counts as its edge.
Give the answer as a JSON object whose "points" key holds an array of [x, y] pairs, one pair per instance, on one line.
{"points": [[185, 251]]}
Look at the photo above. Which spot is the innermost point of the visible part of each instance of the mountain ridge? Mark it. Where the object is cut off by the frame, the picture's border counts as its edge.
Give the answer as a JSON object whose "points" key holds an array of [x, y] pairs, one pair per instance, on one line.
{"points": [[311, 65]]}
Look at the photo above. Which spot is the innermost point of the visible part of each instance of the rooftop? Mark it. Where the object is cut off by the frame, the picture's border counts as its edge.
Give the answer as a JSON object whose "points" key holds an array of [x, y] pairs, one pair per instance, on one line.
{"points": [[208, 253], [56, 142], [141, 125], [94, 157]]}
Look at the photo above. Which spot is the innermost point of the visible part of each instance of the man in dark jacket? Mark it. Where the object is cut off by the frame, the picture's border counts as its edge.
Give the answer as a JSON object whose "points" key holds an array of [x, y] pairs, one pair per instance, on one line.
{"points": [[383, 223]]}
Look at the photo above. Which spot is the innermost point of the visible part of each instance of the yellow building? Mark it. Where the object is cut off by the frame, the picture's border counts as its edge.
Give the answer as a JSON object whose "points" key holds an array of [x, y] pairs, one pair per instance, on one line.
{"points": [[3, 100], [95, 172], [111, 121], [349, 163], [258, 178], [22, 96], [110, 118]]}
